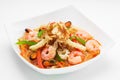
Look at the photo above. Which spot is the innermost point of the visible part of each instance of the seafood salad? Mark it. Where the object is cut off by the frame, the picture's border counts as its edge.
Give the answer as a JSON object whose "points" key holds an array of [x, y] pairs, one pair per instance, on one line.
{"points": [[57, 45]]}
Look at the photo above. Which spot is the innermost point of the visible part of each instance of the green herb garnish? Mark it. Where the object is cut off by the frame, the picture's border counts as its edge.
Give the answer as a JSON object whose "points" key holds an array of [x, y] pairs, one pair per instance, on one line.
{"points": [[72, 37], [40, 33], [30, 43], [58, 57], [80, 40]]}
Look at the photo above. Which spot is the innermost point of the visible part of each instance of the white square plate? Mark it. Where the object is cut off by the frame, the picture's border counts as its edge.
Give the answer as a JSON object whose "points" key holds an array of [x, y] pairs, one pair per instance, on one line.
{"points": [[69, 13]]}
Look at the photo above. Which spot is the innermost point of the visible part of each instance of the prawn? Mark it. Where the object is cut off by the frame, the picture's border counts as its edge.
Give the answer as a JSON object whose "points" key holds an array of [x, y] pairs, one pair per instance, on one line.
{"points": [[93, 46], [31, 35], [75, 57], [48, 53], [84, 35]]}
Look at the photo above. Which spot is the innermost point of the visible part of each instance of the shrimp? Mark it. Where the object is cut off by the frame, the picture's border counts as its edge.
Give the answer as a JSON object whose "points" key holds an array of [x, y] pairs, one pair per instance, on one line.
{"points": [[31, 35], [92, 46], [75, 57], [84, 35], [48, 53]]}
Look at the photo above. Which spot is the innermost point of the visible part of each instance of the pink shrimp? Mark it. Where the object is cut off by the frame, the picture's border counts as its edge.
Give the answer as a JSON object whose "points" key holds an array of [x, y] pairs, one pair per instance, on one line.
{"points": [[93, 46], [75, 57], [48, 53], [31, 35], [84, 35]]}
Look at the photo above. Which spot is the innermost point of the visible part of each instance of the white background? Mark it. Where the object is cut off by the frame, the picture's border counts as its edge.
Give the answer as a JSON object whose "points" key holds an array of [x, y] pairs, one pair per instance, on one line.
{"points": [[104, 13]]}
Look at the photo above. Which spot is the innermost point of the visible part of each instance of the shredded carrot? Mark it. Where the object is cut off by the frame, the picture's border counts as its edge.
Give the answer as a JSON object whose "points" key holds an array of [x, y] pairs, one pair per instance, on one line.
{"points": [[74, 40], [39, 59], [59, 64], [23, 49]]}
